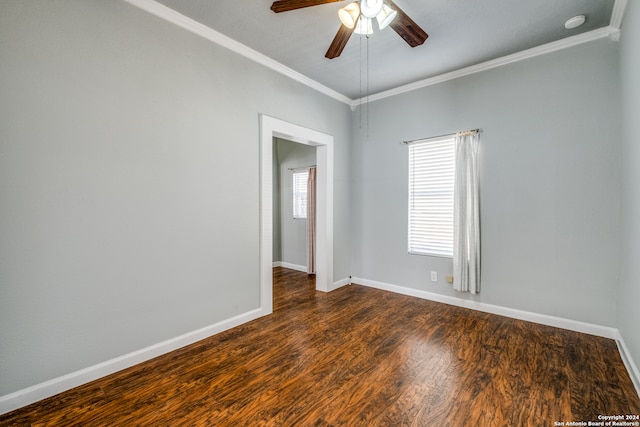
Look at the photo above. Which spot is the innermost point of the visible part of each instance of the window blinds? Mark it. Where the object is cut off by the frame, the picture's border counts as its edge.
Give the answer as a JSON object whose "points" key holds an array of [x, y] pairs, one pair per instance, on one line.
{"points": [[431, 181], [300, 194]]}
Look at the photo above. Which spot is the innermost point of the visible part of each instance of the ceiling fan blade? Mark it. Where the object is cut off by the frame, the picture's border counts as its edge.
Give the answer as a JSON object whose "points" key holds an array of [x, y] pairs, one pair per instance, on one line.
{"points": [[406, 27], [287, 5], [339, 42]]}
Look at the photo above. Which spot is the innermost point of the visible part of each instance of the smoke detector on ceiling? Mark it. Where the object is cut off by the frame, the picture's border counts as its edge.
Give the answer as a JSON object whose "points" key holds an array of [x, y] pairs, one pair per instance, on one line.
{"points": [[574, 22]]}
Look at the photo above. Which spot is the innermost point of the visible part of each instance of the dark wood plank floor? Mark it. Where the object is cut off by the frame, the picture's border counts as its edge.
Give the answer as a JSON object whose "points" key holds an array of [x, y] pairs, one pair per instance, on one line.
{"points": [[359, 357]]}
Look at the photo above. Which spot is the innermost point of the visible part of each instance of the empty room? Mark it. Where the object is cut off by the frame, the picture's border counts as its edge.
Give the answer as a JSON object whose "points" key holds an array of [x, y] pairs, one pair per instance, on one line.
{"points": [[319, 212]]}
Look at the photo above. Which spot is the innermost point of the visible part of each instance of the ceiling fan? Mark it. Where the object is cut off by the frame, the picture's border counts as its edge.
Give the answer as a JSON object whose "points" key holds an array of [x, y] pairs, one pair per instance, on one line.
{"points": [[357, 17]]}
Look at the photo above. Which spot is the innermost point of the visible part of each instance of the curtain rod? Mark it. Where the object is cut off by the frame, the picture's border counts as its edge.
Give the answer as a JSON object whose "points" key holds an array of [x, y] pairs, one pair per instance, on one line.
{"points": [[302, 167], [463, 133]]}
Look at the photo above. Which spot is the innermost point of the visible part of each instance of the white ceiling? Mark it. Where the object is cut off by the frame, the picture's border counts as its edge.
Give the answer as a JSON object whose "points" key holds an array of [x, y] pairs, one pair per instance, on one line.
{"points": [[462, 33]]}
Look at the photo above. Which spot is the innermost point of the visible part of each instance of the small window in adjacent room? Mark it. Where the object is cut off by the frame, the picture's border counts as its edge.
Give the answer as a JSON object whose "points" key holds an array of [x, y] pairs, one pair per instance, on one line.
{"points": [[431, 183], [300, 194]]}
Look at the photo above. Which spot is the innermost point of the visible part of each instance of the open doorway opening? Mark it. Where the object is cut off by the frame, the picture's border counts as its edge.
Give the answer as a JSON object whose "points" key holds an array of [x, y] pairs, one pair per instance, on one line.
{"points": [[271, 128], [294, 205]]}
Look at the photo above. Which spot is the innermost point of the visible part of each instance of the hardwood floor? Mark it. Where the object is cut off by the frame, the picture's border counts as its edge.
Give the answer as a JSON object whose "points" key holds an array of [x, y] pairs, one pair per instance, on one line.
{"points": [[359, 357]]}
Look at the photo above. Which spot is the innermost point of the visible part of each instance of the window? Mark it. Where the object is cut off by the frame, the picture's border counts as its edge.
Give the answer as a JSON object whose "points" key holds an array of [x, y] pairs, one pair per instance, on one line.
{"points": [[431, 181], [300, 194]]}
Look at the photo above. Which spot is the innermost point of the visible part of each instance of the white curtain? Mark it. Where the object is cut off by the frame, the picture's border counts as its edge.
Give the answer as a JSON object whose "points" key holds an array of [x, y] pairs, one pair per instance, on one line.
{"points": [[311, 221], [466, 215]]}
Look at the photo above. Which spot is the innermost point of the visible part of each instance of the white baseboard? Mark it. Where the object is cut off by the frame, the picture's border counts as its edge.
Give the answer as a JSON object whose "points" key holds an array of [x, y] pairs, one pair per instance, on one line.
{"points": [[336, 285], [632, 368], [340, 283], [558, 322], [52, 387], [290, 266]]}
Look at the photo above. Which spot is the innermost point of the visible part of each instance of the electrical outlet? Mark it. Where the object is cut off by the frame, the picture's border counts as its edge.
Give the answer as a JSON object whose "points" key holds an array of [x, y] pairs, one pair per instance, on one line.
{"points": [[434, 276], [449, 279]]}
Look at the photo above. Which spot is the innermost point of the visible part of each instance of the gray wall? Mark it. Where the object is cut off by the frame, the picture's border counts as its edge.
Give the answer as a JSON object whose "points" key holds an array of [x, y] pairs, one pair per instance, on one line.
{"points": [[629, 292], [293, 232], [129, 182], [549, 182]]}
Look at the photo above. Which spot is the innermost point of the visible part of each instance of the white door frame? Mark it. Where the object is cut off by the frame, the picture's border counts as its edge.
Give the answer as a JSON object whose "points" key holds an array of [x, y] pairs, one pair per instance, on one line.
{"points": [[269, 128]]}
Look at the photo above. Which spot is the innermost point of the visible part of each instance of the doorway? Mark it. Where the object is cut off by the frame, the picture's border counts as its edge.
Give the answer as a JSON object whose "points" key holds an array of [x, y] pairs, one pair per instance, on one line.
{"points": [[271, 128], [293, 225]]}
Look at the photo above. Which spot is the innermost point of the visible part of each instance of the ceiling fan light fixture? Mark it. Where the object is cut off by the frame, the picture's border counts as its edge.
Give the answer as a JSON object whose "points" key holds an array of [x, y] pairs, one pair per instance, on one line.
{"points": [[364, 26], [349, 14], [386, 16], [371, 8]]}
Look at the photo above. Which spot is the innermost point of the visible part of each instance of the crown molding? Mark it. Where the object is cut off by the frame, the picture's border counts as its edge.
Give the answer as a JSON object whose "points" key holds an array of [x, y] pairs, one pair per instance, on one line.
{"points": [[619, 7], [494, 63], [170, 15]]}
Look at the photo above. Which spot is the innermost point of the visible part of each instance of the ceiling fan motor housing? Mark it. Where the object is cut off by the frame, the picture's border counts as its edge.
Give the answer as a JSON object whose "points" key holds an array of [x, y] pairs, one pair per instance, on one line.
{"points": [[371, 8]]}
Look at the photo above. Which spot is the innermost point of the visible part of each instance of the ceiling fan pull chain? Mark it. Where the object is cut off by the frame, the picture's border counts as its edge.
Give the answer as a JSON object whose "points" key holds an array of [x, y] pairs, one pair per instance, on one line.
{"points": [[367, 87], [360, 88]]}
